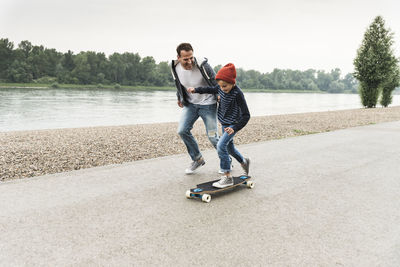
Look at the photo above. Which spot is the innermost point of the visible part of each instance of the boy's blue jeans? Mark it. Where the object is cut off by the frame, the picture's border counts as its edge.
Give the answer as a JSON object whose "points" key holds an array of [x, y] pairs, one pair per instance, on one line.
{"points": [[189, 116], [225, 147]]}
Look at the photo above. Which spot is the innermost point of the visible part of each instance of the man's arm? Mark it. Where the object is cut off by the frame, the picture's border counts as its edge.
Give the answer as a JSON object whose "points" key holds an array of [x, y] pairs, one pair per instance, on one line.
{"points": [[177, 84], [210, 72]]}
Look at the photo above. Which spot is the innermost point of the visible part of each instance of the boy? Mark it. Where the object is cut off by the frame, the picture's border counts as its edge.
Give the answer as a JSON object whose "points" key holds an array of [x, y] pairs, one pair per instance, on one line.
{"points": [[233, 114]]}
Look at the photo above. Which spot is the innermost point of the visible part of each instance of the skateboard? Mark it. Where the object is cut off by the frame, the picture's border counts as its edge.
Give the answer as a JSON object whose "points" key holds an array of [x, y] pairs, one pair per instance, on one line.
{"points": [[205, 190]]}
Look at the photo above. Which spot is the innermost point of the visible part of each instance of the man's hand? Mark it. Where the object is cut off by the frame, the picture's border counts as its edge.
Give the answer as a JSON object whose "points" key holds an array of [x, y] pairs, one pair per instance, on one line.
{"points": [[229, 130], [191, 90], [180, 104]]}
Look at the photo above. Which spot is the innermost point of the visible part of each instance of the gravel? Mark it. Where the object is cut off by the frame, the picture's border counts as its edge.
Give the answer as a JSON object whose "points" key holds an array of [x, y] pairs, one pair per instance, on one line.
{"points": [[26, 154]]}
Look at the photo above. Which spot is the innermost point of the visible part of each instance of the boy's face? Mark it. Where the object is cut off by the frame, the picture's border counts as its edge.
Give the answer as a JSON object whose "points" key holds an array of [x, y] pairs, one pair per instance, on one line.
{"points": [[225, 86], [186, 59]]}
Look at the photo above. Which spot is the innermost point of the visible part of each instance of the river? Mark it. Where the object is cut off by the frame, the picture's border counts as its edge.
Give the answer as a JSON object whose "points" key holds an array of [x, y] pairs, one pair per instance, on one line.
{"points": [[33, 109]]}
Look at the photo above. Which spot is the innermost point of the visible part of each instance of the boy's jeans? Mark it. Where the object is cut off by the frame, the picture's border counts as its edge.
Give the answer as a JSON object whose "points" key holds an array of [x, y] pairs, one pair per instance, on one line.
{"points": [[189, 116], [225, 147]]}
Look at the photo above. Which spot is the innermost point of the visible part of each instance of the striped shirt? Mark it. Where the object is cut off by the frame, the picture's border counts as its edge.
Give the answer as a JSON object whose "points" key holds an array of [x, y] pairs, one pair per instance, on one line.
{"points": [[232, 109]]}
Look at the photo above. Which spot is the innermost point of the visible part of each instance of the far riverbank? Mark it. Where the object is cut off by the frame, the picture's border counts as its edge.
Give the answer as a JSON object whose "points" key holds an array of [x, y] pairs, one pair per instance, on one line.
{"points": [[133, 88]]}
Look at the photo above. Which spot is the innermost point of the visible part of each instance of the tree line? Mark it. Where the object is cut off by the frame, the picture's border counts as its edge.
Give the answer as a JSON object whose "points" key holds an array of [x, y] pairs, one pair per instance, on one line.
{"points": [[29, 63]]}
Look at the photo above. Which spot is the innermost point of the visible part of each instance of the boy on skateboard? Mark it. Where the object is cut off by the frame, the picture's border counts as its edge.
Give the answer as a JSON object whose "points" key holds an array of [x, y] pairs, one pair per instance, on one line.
{"points": [[233, 114]]}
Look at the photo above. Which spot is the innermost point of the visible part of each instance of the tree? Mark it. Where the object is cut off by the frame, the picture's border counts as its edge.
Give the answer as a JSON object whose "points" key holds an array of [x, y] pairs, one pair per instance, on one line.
{"points": [[266, 82], [163, 75], [20, 72], [116, 68], [6, 57], [68, 61], [132, 63], [37, 61], [252, 79], [350, 83], [336, 87], [82, 69], [65, 67], [388, 86], [324, 80], [147, 70], [26, 47], [374, 61], [278, 79], [217, 68]]}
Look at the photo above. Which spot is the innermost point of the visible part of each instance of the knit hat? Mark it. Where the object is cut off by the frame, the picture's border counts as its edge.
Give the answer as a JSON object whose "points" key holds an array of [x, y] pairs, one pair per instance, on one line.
{"points": [[227, 73]]}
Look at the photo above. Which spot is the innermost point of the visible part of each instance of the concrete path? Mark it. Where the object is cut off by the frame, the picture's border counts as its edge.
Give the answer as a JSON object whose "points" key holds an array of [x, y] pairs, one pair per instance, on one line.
{"points": [[328, 199]]}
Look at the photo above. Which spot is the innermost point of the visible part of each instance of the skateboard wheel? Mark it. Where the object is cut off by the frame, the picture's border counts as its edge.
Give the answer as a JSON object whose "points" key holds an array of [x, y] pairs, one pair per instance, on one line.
{"points": [[250, 184], [206, 198], [188, 194]]}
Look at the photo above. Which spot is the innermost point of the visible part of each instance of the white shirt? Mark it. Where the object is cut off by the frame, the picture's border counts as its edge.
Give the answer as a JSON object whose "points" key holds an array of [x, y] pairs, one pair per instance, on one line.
{"points": [[193, 78]]}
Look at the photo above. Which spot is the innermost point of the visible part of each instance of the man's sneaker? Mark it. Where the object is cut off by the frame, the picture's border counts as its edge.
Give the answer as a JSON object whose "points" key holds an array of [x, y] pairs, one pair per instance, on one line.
{"points": [[246, 166], [195, 164], [224, 182]]}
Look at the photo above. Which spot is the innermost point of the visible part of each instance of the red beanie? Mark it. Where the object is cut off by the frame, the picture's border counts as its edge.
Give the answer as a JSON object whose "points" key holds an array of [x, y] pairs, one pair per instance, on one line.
{"points": [[227, 73]]}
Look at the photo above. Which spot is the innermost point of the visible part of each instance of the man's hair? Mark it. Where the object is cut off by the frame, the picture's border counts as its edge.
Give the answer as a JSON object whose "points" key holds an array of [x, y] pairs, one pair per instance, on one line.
{"points": [[184, 46]]}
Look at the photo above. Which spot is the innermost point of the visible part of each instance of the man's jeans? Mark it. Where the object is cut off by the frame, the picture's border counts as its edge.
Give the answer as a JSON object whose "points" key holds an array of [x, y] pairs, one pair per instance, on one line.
{"points": [[189, 116], [225, 147]]}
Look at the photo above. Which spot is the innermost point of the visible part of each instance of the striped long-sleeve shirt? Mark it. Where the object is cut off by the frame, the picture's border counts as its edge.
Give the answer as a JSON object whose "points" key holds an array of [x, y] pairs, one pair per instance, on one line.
{"points": [[232, 109]]}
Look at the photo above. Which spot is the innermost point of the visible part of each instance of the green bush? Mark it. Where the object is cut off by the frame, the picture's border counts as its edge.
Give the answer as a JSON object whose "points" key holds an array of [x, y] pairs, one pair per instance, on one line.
{"points": [[46, 80], [55, 85]]}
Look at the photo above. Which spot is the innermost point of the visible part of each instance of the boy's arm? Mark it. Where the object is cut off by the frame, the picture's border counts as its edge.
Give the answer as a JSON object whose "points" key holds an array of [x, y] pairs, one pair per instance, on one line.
{"points": [[207, 90], [245, 112]]}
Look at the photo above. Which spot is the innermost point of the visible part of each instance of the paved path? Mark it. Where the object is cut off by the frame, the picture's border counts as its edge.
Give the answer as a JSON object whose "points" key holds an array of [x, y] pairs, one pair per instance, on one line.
{"points": [[326, 199]]}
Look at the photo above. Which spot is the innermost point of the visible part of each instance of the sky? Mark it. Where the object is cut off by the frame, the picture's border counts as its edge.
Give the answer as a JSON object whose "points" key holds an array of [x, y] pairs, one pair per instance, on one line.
{"points": [[252, 34]]}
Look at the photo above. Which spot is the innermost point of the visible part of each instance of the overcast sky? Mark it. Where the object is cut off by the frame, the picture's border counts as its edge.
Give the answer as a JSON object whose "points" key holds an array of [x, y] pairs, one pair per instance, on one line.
{"points": [[252, 34]]}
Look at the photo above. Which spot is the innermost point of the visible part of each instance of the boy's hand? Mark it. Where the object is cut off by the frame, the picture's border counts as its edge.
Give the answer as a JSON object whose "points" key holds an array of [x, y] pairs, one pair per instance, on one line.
{"points": [[229, 130], [191, 90]]}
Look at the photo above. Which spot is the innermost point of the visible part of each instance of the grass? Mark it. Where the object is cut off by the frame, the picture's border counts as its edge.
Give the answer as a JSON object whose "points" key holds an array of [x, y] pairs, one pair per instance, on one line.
{"points": [[301, 132], [283, 91], [146, 88], [138, 88], [85, 86]]}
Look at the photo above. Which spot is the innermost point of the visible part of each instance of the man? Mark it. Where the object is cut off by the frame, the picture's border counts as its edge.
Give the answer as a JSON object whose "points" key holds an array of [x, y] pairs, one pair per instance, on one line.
{"points": [[189, 71]]}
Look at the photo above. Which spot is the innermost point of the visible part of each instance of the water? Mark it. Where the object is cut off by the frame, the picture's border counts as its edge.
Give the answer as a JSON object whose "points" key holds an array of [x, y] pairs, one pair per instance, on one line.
{"points": [[32, 109]]}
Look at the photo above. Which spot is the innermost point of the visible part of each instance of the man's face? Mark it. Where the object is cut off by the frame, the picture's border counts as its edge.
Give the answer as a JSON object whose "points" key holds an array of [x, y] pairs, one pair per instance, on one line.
{"points": [[186, 59]]}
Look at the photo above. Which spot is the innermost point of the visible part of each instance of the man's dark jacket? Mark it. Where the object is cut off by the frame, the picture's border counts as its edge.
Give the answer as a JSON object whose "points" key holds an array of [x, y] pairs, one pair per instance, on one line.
{"points": [[205, 69]]}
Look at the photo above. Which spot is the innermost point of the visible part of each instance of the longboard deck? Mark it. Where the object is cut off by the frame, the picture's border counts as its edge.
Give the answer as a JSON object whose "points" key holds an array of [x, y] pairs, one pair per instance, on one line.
{"points": [[208, 188], [203, 191]]}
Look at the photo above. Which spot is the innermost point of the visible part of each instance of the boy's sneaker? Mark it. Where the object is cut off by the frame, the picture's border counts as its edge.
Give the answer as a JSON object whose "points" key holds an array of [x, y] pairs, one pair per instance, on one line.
{"points": [[246, 166], [195, 165], [224, 182], [222, 172]]}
